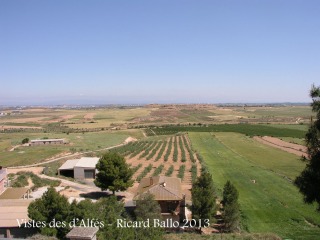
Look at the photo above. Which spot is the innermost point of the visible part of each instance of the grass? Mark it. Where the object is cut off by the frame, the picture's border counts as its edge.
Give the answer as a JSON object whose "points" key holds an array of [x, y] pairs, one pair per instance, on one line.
{"points": [[299, 141], [223, 236], [108, 117], [247, 129], [22, 181], [302, 127], [272, 204], [35, 154], [264, 156]]}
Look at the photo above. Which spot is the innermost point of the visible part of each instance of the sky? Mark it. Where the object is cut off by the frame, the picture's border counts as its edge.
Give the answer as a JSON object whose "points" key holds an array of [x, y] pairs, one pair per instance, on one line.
{"points": [[158, 51]]}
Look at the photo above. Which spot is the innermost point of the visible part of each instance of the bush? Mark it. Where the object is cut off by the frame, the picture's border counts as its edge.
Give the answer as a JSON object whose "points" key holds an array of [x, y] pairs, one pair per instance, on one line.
{"points": [[181, 171], [25, 140], [169, 171]]}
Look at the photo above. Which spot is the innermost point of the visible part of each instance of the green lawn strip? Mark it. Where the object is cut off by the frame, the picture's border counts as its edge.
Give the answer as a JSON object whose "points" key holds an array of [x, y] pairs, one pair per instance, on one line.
{"points": [[263, 155], [272, 204], [302, 127], [248, 129], [299, 141]]}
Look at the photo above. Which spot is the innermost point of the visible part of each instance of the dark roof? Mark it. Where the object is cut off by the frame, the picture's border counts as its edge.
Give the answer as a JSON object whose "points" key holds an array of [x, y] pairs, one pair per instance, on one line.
{"points": [[161, 187], [84, 232]]}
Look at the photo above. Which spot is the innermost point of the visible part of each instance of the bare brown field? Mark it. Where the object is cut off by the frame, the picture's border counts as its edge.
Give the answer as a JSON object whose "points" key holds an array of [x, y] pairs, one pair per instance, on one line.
{"points": [[89, 116], [4, 127], [35, 170], [23, 120], [296, 149]]}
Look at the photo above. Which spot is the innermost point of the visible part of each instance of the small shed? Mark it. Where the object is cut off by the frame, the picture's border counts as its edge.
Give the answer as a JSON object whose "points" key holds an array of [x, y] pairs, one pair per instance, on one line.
{"points": [[83, 233], [83, 168], [39, 142]]}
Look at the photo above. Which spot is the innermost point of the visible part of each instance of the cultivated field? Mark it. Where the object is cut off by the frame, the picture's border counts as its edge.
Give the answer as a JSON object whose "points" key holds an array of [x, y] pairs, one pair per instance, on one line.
{"points": [[169, 139], [272, 203], [170, 156], [94, 119]]}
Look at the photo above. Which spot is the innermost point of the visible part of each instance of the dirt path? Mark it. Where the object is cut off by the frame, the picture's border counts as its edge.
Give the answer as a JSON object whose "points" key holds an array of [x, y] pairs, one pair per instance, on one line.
{"points": [[296, 149], [86, 188], [5, 127], [35, 170]]}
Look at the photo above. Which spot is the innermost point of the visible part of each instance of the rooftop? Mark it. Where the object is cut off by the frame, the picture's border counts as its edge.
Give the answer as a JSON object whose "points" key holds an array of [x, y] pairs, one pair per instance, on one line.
{"points": [[162, 187], [86, 162], [83, 232], [48, 140], [14, 193], [89, 162], [11, 210], [3, 173], [69, 165]]}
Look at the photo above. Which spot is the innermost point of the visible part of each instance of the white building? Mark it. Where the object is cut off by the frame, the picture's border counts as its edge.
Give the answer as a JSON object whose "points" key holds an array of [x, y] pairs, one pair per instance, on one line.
{"points": [[38, 142], [83, 168]]}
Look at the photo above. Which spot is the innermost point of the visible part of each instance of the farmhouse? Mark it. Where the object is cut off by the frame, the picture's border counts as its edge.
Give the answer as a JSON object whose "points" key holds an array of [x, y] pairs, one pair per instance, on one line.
{"points": [[39, 142], [14, 204], [10, 211], [83, 168], [167, 192]]}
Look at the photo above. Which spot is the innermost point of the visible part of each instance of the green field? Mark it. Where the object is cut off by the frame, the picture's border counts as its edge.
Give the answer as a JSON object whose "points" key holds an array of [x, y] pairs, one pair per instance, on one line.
{"points": [[273, 203], [248, 129], [78, 142]]}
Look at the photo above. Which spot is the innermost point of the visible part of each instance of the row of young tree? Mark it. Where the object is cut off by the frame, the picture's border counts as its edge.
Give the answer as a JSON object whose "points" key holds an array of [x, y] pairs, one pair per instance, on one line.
{"points": [[204, 204]]}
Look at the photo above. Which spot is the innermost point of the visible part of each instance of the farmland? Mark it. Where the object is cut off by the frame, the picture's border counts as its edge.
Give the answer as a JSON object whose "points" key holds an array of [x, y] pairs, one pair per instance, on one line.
{"points": [[173, 140], [97, 118], [272, 203], [251, 130], [170, 156], [77, 143]]}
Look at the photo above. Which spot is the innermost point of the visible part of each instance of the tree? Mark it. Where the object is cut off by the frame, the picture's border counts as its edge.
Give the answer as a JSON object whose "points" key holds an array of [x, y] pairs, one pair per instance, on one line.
{"points": [[148, 208], [203, 198], [25, 140], [110, 211], [114, 173], [50, 207], [231, 207], [308, 181]]}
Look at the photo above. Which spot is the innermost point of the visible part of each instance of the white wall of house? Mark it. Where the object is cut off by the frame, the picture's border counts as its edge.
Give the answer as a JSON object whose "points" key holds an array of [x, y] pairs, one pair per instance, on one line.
{"points": [[79, 172]]}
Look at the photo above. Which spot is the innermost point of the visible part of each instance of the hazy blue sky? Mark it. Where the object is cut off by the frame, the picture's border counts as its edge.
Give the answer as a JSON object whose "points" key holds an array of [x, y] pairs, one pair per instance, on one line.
{"points": [[158, 51]]}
